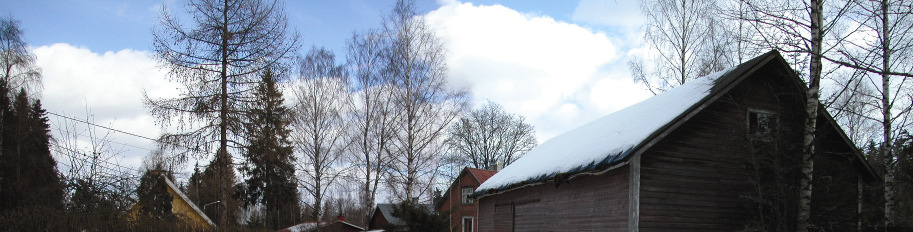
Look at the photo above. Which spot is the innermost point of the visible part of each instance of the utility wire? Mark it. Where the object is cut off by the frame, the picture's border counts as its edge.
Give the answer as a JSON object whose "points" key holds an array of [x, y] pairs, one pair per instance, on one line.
{"points": [[109, 128], [126, 133]]}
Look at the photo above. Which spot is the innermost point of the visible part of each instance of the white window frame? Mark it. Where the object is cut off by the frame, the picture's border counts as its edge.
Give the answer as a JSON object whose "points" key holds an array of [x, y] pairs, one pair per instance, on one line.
{"points": [[463, 223], [464, 196]]}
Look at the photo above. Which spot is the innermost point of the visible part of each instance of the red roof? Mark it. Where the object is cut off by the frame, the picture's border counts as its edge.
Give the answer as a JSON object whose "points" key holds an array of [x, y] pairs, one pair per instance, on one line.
{"points": [[481, 174]]}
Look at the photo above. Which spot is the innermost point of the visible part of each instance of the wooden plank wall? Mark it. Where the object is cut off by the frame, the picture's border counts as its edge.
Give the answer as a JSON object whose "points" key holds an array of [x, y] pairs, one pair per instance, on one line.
{"points": [[585, 203], [695, 178]]}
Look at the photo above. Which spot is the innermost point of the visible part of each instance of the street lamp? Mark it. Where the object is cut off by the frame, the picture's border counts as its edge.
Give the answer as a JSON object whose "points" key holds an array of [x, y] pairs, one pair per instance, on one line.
{"points": [[204, 206]]}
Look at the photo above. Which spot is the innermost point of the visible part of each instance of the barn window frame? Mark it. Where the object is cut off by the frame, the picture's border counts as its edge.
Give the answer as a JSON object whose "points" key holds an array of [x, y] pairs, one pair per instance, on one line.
{"points": [[761, 123]]}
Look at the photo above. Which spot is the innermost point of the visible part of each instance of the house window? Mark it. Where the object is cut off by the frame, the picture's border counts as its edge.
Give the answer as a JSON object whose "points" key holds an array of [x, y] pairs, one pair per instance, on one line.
{"points": [[762, 123], [467, 224], [466, 191]]}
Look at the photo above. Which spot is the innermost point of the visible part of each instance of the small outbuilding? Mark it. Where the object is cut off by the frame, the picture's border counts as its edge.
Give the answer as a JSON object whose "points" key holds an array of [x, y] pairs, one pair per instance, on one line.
{"points": [[686, 159], [382, 218], [336, 226]]}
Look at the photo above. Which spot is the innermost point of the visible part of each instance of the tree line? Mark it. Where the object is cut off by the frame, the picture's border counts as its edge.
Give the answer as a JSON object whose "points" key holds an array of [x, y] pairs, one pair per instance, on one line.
{"points": [[289, 137], [314, 134]]}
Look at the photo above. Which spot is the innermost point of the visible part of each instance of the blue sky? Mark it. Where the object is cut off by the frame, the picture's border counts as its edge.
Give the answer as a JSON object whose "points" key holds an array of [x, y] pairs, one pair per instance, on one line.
{"points": [[113, 25], [559, 64]]}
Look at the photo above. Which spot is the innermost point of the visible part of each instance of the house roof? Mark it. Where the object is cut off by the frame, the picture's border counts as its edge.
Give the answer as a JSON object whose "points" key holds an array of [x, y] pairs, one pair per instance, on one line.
{"points": [[609, 141], [387, 211], [480, 175]]}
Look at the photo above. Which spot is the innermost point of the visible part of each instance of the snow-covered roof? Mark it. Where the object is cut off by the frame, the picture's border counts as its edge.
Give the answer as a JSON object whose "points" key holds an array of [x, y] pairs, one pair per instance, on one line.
{"points": [[608, 142], [387, 211], [610, 139]]}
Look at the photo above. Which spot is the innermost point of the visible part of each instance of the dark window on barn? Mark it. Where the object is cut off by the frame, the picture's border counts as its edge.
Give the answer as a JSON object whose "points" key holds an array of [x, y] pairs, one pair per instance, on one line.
{"points": [[466, 191], [762, 123]]}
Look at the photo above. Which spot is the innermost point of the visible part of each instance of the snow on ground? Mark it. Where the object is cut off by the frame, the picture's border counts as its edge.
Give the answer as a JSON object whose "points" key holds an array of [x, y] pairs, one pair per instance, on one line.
{"points": [[605, 139]]}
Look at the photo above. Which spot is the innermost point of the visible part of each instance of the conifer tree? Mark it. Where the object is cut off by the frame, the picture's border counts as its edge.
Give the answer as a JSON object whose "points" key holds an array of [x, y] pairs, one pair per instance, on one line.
{"points": [[269, 167], [216, 60], [217, 186], [28, 170], [154, 201]]}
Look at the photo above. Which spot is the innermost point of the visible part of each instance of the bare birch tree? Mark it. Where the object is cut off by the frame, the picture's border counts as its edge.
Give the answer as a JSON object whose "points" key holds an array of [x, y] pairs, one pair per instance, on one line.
{"points": [[689, 40], [217, 61], [800, 28], [416, 65], [882, 50], [373, 115], [489, 136], [19, 68], [320, 125]]}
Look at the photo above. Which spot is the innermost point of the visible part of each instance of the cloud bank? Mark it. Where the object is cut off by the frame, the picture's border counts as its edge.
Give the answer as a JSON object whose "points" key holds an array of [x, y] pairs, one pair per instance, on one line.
{"points": [[107, 87], [558, 75]]}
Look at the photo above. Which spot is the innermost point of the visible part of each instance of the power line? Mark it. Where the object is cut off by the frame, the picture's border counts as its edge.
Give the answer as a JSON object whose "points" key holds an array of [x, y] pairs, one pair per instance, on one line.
{"points": [[109, 128], [126, 133]]}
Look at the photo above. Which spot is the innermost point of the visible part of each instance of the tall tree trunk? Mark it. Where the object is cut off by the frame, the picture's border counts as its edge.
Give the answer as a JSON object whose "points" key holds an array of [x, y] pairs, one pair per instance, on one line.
{"points": [[811, 110], [886, 105], [223, 116]]}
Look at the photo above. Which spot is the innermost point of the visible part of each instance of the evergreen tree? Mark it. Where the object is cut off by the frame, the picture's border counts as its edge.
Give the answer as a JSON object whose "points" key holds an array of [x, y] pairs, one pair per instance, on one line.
{"points": [[192, 189], [154, 201], [271, 175], [42, 174], [28, 171], [217, 186]]}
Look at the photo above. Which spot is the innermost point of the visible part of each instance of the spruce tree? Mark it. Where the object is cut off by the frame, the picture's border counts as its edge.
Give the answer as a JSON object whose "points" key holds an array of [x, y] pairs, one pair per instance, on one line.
{"points": [[42, 174], [217, 186], [154, 201], [28, 171], [271, 175]]}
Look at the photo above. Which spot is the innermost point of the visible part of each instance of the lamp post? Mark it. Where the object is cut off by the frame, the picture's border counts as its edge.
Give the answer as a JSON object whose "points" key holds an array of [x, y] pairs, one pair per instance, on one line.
{"points": [[204, 206]]}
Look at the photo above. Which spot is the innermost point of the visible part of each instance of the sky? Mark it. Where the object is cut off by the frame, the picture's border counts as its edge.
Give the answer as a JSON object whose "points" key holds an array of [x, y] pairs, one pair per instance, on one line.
{"points": [[560, 64]]}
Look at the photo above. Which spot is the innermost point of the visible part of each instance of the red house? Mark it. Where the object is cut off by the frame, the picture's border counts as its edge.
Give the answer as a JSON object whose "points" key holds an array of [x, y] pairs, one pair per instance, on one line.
{"points": [[456, 200], [688, 159]]}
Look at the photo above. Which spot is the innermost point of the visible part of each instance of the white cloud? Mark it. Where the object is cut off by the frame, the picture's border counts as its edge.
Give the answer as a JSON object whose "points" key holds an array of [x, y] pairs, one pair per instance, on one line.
{"points": [[110, 86], [558, 75]]}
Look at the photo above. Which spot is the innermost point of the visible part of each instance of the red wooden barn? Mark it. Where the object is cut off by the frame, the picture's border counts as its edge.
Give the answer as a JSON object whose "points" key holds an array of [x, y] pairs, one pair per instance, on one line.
{"points": [[680, 161], [457, 202]]}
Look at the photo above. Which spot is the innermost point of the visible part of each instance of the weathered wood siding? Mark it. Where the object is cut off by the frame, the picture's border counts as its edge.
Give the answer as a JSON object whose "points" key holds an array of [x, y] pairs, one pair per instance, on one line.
{"points": [[834, 189], [696, 178], [585, 203]]}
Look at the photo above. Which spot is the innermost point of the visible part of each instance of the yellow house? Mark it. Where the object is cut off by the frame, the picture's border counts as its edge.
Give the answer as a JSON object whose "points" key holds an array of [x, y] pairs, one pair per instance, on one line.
{"points": [[182, 207]]}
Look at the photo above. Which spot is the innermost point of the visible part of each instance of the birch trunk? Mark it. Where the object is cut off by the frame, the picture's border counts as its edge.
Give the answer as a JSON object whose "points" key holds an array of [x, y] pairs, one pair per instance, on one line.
{"points": [[811, 109], [886, 117]]}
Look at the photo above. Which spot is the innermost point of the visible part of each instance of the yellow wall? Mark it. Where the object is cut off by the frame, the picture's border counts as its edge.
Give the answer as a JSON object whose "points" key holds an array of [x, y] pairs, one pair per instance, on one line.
{"points": [[183, 210], [179, 207]]}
